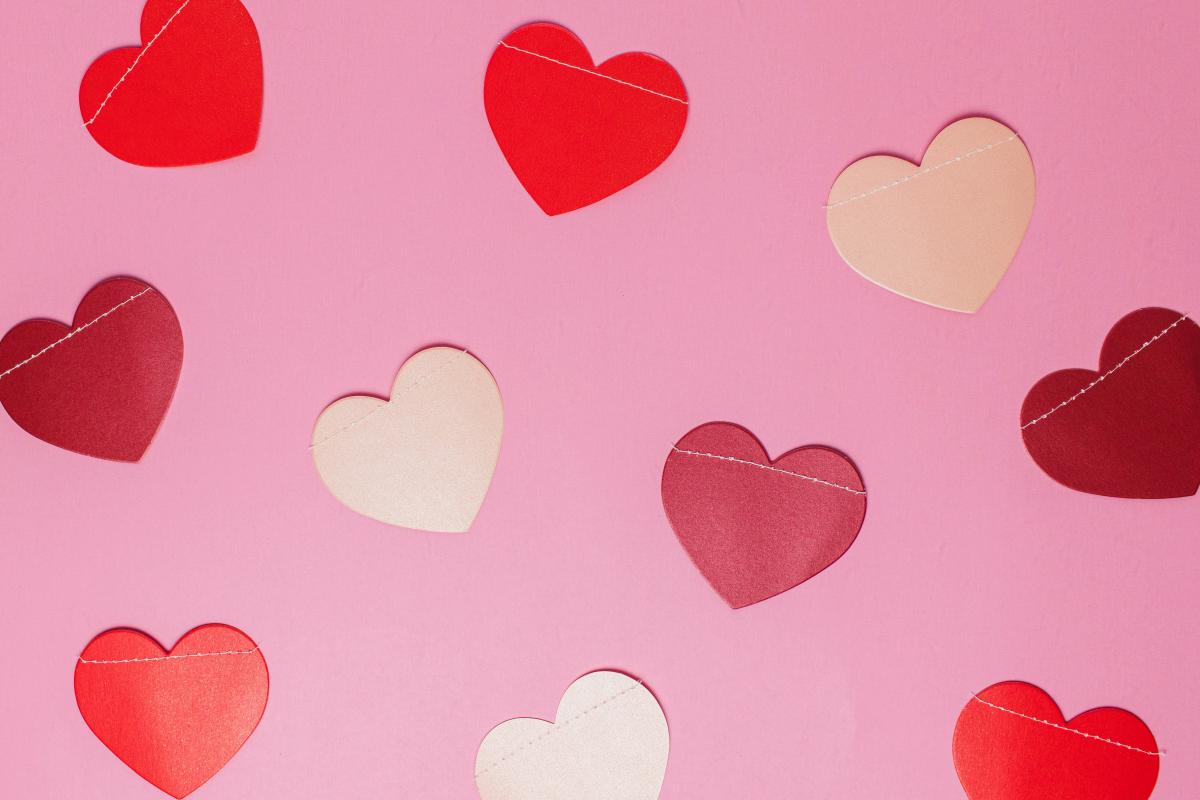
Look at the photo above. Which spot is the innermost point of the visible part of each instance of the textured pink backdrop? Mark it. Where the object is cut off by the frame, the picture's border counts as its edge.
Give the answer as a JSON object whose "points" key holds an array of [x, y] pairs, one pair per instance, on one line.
{"points": [[377, 216]]}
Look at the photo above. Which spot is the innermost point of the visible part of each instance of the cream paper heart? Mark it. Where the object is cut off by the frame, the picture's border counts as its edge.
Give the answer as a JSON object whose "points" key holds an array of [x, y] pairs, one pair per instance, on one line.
{"points": [[942, 233], [424, 458], [609, 742]]}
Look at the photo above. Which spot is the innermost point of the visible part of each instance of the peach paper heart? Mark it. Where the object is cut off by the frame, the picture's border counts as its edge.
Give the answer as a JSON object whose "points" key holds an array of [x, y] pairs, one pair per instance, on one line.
{"points": [[609, 741], [944, 232], [424, 458]]}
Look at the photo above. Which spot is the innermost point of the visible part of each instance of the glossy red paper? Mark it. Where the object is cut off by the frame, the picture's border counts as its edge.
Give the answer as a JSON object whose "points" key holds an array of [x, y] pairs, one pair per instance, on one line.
{"points": [[1136, 431], [102, 385], [572, 131], [191, 94], [756, 527], [175, 718], [1012, 743]]}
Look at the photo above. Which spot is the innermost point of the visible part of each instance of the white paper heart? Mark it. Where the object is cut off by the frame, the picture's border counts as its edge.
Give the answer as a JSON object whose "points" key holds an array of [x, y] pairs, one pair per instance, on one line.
{"points": [[942, 233], [609, 742], [424, 458]]}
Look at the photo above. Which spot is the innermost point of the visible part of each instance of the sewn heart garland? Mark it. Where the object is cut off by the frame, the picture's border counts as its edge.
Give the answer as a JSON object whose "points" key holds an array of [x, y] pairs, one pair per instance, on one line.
{"points": [[1012, 742], [575, 132], [175, 718], [424, 458], [191, 94], [944, 232], [609, 740], [102, 385], [1132, 428], [756, 527]]}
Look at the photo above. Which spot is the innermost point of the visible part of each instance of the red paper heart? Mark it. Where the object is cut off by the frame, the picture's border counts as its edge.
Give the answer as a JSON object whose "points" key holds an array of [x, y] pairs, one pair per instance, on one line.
{"points": [[1012, 743], [101, 386], [191, 94], [756, 527], [175, 718], [574, 132], [1133, 428]]}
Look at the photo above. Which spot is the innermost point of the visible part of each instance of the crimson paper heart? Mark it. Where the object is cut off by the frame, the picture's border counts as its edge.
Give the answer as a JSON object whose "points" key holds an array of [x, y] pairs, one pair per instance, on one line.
{"points": [[1132, 428], [1012, 743], [191, 94], [102, 385], [175, 718], [756, 527], [572, 131]]}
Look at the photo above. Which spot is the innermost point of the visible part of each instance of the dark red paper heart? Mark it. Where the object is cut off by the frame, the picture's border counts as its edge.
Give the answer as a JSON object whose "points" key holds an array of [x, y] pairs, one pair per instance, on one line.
{"points": [[1012, 743], [1132, 429], [756, 527], [191, 94], [102, 386], [175, 718], [574, 132]]}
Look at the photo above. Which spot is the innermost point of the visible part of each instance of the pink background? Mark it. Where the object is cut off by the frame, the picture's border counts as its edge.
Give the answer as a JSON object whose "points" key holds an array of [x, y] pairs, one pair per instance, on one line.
{"points": [[377, 216]]}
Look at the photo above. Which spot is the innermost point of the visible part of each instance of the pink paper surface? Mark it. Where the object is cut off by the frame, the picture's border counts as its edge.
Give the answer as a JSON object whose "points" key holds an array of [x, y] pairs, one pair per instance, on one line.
{"points": [[377, 216]]}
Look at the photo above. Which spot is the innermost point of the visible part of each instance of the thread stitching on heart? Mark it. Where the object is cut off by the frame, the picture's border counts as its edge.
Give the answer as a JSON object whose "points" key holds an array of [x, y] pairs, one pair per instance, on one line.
{"points": [[254, 649], [1068, 730], [926, 171], [81, 328], [406, 390], [145, 49], [557, 726], [591, 72], [769, 468], [1101, 379]]}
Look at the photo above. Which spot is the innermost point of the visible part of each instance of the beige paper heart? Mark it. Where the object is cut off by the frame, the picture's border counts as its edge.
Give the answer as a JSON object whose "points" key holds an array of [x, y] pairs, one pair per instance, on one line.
{"points": [[942, 233], [424, 458], [609, 742]]}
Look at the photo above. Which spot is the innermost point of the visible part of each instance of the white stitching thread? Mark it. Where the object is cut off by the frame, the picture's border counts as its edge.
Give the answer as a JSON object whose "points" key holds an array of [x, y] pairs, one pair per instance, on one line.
{"points": [[555, 728], [388, 404], [1068, 730], [591, 72], [925, 171], [82, 327], [83, 660], [145, 49], [1099, 380], [769, 468]]}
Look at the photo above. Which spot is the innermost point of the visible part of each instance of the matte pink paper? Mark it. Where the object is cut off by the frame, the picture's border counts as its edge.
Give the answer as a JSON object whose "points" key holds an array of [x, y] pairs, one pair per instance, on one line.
{"points": [[707, 290]]}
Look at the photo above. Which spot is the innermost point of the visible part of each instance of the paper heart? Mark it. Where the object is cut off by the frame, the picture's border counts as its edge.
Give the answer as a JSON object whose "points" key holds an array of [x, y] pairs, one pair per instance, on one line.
{"points": [[191, 94], [175, 718], [102, 386], [1011, 742], [942, 233], [574, 132], [424, 458], [609, 741], [756, 527], [1133, 428]]}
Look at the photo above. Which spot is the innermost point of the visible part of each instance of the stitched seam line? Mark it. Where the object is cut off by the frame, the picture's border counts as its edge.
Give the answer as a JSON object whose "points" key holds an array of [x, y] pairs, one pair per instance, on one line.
{"points": [[769, 468], [389, 403], [82, 327], [925, 171], [557, 726], [83, 660], [143, 52], [1068, 730], [592, 72], [1100, 380]]}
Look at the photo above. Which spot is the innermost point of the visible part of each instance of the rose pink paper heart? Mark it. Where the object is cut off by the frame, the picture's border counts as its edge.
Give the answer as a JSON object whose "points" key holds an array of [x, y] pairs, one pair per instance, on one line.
{"points": [[756, 527]]}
